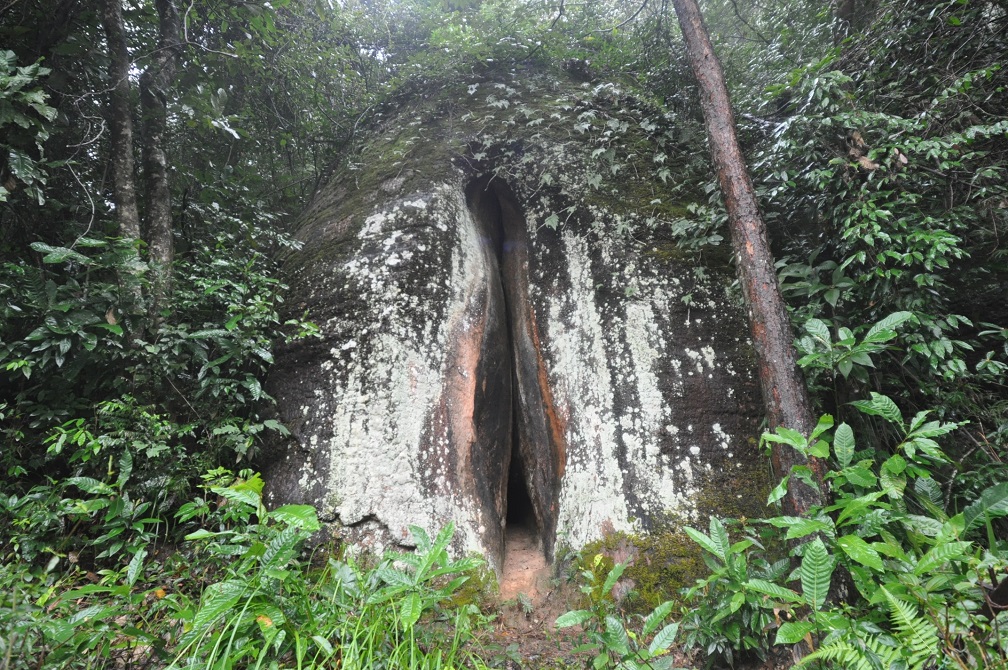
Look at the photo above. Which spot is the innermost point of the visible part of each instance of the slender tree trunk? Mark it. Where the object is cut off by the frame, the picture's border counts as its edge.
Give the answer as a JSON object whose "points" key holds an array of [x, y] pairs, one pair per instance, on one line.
{"points": [[154, 85], [120, 122], [784, 392]]}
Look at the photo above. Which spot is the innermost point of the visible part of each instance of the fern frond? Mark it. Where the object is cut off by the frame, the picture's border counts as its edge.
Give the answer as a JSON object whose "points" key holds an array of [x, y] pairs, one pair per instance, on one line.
{"points": [[918, 635], [840, 654]]}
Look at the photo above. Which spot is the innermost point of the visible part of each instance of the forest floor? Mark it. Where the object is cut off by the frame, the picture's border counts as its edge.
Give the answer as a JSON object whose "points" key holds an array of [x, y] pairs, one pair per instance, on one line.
{"points": [[531, 599]]}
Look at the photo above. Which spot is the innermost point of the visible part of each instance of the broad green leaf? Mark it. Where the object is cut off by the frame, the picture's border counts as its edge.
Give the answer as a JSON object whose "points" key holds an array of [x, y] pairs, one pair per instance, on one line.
{"points": [[135, 567], [941, 554], [281, 548], [90, 485], [781, 593], [410, 610], [804, 527], [824, 424], [323, 644], [663, 640], [819, 330], [719, 536], [882, 406], [816, 572], [993, 503], [792, 632], [860, 476], [889, 323], [860, 551], [616, 636], [301, 516], [218, 600], [573, 618], [702, 540], [654, 619], [855, 508], [613, 577], [843, 444], [779, 491], [924, 525]]}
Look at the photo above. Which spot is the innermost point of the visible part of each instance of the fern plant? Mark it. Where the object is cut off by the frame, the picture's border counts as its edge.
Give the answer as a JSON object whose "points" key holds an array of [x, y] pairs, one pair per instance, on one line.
{"points": [[919, 574]]}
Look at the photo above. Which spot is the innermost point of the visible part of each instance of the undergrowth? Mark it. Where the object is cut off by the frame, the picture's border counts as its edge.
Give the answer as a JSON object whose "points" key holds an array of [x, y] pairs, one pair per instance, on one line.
{"points": [[240, 591]]}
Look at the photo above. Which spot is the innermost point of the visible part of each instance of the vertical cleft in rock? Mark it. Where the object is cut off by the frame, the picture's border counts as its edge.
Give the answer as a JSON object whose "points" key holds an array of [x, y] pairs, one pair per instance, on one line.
{"points": [[524, 485]]}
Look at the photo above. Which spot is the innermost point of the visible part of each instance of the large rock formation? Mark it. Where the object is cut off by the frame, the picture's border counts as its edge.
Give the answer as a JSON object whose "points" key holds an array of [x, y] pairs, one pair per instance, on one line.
{"points": [[509, 335]]}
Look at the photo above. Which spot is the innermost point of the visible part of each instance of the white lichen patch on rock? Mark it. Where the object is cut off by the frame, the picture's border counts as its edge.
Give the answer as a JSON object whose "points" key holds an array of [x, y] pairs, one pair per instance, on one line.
{"points": [[636, 349]]}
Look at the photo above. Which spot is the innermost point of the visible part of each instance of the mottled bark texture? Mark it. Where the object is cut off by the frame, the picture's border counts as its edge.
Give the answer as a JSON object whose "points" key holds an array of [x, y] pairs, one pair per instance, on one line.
{"points": [[120, 122], [783, 388], [155, 82]]}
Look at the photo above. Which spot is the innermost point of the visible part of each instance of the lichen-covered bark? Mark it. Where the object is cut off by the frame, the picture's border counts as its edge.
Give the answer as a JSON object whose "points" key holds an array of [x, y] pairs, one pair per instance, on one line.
{"points": [[784, 391], [120, 122], [154, 84]]}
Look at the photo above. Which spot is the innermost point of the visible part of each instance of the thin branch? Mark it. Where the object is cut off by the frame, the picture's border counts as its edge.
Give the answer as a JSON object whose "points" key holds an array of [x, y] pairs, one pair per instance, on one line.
{"points": [[631, 18]]}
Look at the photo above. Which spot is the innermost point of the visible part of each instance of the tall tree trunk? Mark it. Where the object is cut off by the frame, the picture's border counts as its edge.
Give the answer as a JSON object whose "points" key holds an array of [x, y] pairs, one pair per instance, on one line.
{"points": [[784, 392], [154, 85], [120, 122]]}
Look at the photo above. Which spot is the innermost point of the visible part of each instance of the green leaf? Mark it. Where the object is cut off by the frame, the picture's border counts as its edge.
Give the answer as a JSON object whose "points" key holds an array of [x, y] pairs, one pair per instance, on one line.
{"points": [[663, 640], [218, 600], [573, 618], [781, 593], [410, 610], [302, 516], [793, 631], [135, 566], [818, 330], [323, 644], [803, 527], [816, 572], [719, 536], [860, 551], [941, 554], [889, 323], [779, 491], [59, 254], [880, 405], [843, 444], [993, 503], [613, 577], [702, 540], [654, 619], [860, 475]]}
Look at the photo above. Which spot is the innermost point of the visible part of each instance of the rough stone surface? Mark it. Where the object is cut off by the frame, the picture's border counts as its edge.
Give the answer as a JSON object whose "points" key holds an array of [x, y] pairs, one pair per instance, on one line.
{"points": [[493, 281]]}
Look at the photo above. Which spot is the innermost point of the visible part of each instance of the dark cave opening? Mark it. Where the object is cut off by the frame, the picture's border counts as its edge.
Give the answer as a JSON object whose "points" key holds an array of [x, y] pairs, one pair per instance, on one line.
{"points": [[526, 478], [520, 513]]}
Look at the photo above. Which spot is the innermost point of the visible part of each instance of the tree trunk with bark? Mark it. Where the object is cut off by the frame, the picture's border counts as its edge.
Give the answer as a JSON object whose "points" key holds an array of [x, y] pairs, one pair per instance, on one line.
{"points": [[154, 85], [784, 391], [120, 121]]}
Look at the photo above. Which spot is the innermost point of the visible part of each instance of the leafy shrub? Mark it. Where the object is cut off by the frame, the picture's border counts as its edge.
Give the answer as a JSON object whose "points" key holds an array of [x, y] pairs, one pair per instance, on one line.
{"points": [[919, 577], [614, 643]]}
